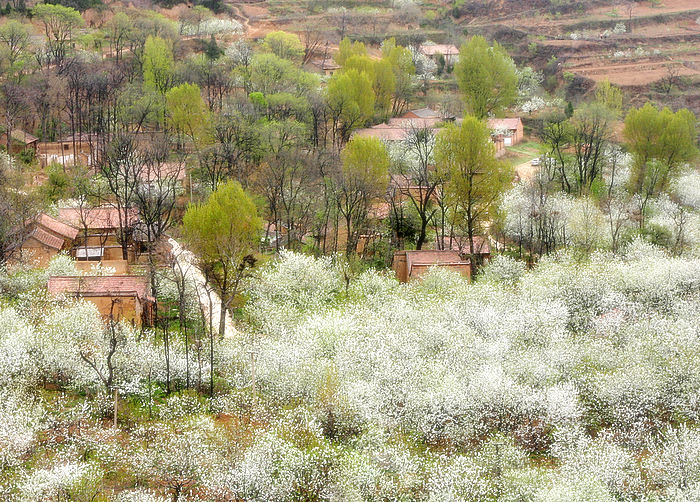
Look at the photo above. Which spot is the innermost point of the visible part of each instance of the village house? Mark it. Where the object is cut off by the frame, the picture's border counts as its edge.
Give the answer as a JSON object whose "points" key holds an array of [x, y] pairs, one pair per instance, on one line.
{"points": [[119, 297], [101, 231], [449, 52], [401, 187], [19, 141], [460, 243], [411, 264], [499, 143], [399, 128], [510, 128], [45, 238], [67, 152], [327, 66]]}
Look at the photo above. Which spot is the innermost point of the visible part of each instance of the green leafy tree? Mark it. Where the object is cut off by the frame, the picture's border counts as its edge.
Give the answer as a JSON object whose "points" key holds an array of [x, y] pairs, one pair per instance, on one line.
{"points": [[476, 179], [284, 45], [269, 74], [350, 100], [223, 233], [591, 130], [148, 24], [15, 45], [118, 30], [609, 96], [400, 60], [347, 49], [557, 135], [59, 23], [158, 65], [187, 112], [661, 141], [364, 177], [487, 77], [381, 74]]}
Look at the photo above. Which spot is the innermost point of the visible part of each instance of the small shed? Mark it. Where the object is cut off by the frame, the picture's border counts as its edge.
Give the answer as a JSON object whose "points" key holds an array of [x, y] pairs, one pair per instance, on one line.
{"points": [[410, 264], [19, 141], [449, 52], [120, 297], [510, 128]]}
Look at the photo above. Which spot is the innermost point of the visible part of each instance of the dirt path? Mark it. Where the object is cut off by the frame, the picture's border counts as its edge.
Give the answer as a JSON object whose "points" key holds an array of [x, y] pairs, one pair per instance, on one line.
{"points": [[526, 171], [244, 20], [189, 268]]}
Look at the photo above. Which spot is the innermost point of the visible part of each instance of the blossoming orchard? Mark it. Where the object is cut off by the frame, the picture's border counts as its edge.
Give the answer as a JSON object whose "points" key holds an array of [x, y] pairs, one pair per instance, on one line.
{"points": [[328, 252]]}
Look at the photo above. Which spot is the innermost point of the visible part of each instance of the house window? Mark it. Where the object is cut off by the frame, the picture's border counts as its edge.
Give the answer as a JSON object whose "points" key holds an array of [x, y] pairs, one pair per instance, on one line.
{"points": [[89, 254]]}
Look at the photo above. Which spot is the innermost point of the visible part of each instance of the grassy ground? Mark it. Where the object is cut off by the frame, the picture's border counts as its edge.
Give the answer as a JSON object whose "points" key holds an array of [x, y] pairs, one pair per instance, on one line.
{"points": [[523, 152]]}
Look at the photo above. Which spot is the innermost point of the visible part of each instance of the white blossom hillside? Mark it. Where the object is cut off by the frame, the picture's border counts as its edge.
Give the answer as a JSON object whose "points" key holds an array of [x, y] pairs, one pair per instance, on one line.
{"points": [[576, 380]]}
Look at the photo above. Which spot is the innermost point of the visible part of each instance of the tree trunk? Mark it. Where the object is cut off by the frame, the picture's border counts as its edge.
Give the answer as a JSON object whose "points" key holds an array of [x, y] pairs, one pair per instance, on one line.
{"points": [[222, 318]]}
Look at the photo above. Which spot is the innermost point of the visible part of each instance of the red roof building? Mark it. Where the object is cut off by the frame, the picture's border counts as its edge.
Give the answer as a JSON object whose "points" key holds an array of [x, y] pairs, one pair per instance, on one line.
{"points": [[448, 51], [411, 264], [119, 297], [103, 218], [511, 128]]}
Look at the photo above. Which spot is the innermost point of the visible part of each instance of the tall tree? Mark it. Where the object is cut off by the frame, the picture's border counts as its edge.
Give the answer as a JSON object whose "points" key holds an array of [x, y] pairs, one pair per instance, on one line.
{"points": [[118, 30], [187, 113], [18, 205], [423, 182], [591, 129], [476, 178], [486, 76], [400, 60], [158, 65], [661, 141], [609, 96], [15, 45], [122, 168], [59, 23], [363, 179], [223, 233], [350, 100], [284, 45], [557, 135]]}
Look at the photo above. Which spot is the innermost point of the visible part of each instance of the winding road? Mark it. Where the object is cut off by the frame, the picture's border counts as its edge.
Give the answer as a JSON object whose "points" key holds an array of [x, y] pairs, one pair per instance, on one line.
{"points": [[188, 265]]}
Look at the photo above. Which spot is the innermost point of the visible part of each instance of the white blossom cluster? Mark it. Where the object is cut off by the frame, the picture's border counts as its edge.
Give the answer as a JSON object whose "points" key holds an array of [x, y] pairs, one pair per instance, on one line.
{"points": [[213, 26], [576, 380]]}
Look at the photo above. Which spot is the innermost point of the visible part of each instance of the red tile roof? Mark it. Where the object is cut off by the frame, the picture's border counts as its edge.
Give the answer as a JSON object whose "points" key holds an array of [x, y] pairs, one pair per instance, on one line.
{"points": [[57, 227], [421, 113], [98, 217], [23, 137], [115, 285], [435, 49], [398, 128], [509, 123], [47, 239], [427, 257]]}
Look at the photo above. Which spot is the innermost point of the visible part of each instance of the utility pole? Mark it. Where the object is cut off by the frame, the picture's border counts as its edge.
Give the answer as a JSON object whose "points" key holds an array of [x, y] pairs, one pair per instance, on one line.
{"points": [[252, 371], [116, 405]]}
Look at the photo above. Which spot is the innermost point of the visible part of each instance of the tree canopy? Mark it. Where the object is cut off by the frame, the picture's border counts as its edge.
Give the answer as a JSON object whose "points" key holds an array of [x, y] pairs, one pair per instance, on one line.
{"points": [[486, 76]]}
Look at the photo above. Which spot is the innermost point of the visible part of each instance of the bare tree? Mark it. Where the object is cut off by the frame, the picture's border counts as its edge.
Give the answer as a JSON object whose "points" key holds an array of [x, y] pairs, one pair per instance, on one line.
{"points": [[122, 169], [671, 77], [422, 180], [312, 37], [114, 336]]}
